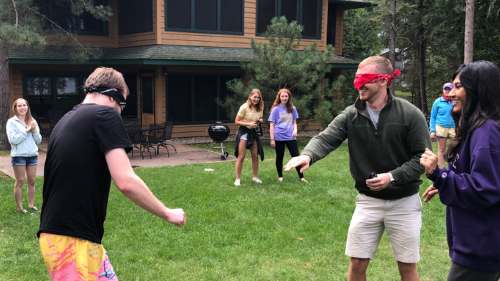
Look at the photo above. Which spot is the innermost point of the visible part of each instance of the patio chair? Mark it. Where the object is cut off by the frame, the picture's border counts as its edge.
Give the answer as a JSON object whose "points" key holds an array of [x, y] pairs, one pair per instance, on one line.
{"points": [[137, 140], [160, 137]]}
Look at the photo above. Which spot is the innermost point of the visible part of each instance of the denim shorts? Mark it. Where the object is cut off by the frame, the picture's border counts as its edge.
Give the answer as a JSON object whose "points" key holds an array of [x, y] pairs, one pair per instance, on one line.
{"points": [[24, 161]]}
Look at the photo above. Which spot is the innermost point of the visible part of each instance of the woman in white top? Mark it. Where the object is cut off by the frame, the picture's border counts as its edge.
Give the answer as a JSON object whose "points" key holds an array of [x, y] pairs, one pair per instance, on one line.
{"points": [[248, 116], [24, 136]]}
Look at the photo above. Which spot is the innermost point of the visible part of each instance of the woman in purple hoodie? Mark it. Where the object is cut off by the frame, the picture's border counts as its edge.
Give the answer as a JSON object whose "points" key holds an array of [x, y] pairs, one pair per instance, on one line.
{"points": [[470, 188]]}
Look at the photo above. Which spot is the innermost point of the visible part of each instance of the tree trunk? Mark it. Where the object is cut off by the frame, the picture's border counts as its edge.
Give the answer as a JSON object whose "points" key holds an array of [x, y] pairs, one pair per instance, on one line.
{"points": [[392, 37], [4, 97], [421, 55], [469, 32]]}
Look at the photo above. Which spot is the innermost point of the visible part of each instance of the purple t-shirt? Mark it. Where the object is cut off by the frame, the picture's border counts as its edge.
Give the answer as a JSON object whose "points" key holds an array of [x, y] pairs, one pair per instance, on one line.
{"points": [[283, 122]]}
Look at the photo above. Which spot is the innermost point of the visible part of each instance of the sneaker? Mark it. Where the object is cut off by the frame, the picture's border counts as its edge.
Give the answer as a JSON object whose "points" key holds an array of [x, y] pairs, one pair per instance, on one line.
{"points": [[35, 209], [257, 180], [237, 182], [22, 211]]}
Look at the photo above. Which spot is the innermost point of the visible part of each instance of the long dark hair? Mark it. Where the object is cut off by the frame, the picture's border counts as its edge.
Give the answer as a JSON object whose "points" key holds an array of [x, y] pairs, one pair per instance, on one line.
{"points": [[481, 81]]}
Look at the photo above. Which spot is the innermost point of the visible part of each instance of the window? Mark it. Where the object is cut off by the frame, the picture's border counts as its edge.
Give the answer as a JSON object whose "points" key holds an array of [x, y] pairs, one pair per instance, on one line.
{"points": [[305, 12], [59, 11], [51, 96], [192, 97], [212, 16], [331, 29], [135, 16]]}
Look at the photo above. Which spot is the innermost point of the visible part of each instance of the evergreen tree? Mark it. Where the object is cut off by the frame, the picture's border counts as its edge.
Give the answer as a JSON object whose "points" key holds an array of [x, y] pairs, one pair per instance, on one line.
{"points": [[278, 63], [22, 25]]}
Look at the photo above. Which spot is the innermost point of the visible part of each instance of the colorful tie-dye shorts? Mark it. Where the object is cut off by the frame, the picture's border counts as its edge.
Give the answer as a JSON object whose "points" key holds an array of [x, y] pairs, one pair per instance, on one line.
{"points": [[70, 258]]}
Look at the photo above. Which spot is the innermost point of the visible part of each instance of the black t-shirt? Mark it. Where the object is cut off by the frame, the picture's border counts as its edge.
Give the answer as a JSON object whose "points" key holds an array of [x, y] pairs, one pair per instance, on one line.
{"points": [[77, 178]]}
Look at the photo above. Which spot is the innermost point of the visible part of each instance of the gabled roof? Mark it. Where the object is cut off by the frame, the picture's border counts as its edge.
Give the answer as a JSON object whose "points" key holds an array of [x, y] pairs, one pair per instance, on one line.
{"points": [[153, 55], [351, 4]]}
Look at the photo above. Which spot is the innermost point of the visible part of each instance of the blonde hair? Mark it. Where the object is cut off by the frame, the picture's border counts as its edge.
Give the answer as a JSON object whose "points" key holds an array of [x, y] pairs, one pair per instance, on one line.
{"points": [[260, 106], [28, 117], [107, 77], [383, 65]]}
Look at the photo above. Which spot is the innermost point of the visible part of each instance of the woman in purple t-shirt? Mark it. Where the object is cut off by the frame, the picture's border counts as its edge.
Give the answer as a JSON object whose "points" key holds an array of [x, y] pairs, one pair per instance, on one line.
{"points": [[283, 130]]}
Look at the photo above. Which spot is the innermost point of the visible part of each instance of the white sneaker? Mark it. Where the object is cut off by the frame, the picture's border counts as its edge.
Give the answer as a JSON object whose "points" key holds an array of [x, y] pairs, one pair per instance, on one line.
{"points": [[257, 180], [237, 182]]}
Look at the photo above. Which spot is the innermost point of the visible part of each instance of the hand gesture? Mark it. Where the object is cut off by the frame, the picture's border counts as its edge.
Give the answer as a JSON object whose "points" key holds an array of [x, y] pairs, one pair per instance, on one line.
{"points": [[176, 217], [33, 126], [379, 182], [272, 144], [302, 160], [429, 161], [429, 193], [254, 125]]}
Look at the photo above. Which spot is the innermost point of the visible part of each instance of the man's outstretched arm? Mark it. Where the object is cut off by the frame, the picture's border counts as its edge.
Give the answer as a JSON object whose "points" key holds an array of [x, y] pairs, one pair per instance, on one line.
{"points": [[136, 190]]}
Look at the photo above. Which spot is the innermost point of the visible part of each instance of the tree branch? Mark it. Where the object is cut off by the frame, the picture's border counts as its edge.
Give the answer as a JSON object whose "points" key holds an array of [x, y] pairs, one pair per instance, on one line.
{"points": [[15, 9], [62, 29]]}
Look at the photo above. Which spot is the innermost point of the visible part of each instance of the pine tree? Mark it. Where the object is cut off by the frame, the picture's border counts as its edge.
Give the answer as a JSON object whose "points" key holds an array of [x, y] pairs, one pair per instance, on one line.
{"points": [[278, 64]]}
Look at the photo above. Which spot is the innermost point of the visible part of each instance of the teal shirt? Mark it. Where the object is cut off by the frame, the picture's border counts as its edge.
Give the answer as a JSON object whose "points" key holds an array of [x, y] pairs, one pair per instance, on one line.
{"points": [[23, 144]]}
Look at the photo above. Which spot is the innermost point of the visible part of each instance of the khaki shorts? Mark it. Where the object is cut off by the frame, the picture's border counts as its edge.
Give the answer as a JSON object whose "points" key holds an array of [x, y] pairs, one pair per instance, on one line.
{"points": [[401, 218], [442, 132]]}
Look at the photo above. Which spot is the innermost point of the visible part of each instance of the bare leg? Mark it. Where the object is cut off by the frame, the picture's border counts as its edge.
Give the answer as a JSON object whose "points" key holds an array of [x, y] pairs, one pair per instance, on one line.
{"points": [[408, 271], [31, 176], [254, 149], [19, 172], [357, 269], [242, 149], [441, 151]]}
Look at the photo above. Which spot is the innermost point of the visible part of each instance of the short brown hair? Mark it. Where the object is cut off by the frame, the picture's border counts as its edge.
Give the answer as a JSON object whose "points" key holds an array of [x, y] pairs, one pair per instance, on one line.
{"points": [[107, 77], [383, 65]]}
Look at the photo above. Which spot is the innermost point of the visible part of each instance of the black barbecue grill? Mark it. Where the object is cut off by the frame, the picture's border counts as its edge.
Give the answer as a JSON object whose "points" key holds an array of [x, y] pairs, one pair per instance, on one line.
{"points": [[219, 133]]}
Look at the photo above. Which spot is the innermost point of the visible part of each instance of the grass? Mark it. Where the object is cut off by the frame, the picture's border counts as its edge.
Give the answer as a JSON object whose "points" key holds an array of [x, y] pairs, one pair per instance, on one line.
{"points": [[270, 231], [4, 153]]}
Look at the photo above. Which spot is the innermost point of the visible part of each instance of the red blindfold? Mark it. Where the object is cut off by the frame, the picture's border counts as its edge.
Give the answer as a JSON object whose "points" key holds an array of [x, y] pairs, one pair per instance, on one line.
{"points": [[368, 78]]}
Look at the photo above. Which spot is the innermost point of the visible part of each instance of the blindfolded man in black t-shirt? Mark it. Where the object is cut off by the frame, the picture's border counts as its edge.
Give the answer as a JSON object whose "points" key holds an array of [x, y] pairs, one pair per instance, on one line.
{"points": [[87, 148]]}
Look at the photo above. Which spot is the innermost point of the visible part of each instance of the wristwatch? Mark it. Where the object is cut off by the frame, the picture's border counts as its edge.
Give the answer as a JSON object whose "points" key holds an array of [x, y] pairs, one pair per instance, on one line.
{"points": [[393, 181]]}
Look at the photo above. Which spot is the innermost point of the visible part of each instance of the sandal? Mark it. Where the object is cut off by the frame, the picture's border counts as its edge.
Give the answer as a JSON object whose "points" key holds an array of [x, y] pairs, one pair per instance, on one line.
{"points": [[280, 179], [303, 179]]}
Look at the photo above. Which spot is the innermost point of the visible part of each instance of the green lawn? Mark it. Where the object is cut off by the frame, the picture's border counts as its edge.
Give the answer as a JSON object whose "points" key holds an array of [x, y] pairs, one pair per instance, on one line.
{"points": [[270, 231]]}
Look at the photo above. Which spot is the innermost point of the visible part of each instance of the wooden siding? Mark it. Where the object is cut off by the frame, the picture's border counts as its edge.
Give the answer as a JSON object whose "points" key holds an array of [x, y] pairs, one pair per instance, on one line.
{"points": [[160, 36], [237, 41], [200, 130]]}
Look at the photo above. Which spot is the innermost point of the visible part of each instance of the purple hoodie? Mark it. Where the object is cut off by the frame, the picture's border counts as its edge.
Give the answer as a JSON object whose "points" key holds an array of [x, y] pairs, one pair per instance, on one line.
{"points": [[471, 192]]}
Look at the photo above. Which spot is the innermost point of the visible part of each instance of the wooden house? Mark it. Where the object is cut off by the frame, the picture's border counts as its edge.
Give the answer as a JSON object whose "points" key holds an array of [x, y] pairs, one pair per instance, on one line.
{"points": [[176, 55]]}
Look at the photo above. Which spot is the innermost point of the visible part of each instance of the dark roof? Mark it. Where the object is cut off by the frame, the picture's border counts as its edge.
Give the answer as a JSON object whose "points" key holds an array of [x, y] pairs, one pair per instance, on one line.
{"points": [[352, 4], [153, 55]]}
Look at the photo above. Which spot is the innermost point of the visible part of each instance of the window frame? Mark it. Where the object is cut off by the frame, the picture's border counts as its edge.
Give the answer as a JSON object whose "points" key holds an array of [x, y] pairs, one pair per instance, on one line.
{"points": [[80, 75], [218, 31], [80, 32], [334, 24], [193, 96], [278, 12], [135, 18]]}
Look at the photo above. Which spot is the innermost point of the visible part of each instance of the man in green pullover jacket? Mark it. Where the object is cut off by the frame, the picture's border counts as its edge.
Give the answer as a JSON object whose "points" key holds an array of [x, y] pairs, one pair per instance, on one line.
{"points": [[386, 138]]}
